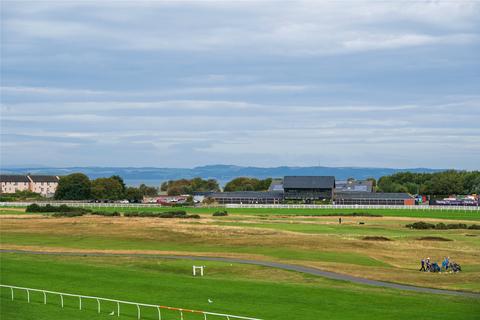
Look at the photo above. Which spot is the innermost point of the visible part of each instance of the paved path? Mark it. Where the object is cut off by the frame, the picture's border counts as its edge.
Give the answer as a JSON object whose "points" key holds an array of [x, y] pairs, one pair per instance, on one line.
{"points": [[284, 266]]}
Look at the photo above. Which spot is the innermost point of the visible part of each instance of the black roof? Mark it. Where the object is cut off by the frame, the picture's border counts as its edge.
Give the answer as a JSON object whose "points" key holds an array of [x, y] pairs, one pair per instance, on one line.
{"points": [[308, 182], [44, 178], [372, 195], [247, 194], [13, 178]]}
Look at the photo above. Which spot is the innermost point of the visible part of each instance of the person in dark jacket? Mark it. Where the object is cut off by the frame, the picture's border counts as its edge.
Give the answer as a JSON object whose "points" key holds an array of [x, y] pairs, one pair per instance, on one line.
{"points": [[423, 265], [427, 264]]}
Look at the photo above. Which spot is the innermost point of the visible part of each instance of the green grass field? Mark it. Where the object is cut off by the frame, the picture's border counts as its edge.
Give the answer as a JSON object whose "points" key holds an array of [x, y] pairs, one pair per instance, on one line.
{"points": [[435, 214], [237, 289], [291, 236]]}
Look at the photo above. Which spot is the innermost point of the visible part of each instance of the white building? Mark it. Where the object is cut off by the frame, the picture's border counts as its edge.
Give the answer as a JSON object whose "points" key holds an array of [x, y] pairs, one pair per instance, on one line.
{"points": [[44, 185], [14, 183]]}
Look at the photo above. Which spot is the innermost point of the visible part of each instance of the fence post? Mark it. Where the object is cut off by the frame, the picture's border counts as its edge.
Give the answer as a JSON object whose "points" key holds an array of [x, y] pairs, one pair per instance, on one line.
{"points": [[28, 296], [61, 297], [80, 303], [138, 309], [181, 315], [98, 302], [159, 314], [118, 309], [12, 293], [44, 298]]}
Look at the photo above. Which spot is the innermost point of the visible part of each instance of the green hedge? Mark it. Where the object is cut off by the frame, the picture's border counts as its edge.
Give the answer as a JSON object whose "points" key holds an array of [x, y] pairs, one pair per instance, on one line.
{"points": [[68, 214], [49, 208], [168, 214], [220, 213], [106, 213], [441, 226]]}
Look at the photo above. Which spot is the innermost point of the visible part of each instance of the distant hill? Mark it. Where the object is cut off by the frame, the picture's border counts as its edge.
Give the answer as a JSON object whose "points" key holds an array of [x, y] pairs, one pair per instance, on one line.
{"points": [[223, 173]]}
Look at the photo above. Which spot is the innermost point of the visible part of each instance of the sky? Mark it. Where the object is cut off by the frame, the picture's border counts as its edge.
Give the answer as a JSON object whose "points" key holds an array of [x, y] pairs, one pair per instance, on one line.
{"points": [[253, 83]]}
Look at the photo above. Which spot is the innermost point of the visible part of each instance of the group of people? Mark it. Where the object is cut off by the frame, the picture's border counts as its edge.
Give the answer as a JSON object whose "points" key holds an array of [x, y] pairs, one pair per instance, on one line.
{"points": [[447, 265]]}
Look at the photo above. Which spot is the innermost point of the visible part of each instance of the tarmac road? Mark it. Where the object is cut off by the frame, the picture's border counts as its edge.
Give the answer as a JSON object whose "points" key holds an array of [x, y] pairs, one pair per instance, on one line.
{"points": [[284, 266]]}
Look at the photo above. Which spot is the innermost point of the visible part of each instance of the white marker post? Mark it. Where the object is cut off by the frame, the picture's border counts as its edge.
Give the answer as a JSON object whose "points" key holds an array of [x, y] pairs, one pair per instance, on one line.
{"points": [[195, 268]]}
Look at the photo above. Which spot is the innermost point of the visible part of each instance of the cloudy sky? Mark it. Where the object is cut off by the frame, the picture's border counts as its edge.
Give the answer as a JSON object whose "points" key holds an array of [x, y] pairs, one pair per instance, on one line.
{"points": [[182, 84]]}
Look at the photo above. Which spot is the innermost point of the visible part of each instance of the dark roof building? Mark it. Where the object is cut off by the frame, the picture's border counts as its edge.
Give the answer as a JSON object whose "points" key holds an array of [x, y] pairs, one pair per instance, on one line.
{"points": [[13, 178], [371, 198], [44, 178], [353, 186], [308, 188], [308, 182]]}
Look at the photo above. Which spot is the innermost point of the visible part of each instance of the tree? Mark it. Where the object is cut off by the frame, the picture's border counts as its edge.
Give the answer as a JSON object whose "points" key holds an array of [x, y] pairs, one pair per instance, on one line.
{"points": [[148, 191], [107, 188], [75, 186], [120, 180], [248, 184], [133, 194], [450, 182], [471, 182], [185, 186]]}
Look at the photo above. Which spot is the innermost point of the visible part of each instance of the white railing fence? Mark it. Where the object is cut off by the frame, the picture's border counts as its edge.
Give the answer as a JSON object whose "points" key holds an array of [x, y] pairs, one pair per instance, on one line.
{"points": [[353, 206], [250, 206], [81, 301]]}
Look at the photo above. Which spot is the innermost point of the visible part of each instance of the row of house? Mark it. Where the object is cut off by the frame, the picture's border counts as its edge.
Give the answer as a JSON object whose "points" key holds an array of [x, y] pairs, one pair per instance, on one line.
{"points": [[44, 185]]}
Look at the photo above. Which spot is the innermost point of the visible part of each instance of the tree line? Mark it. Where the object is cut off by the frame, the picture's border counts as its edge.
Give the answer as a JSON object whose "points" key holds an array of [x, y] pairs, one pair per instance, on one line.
{"points": [[190, 186], [77, 186], [442, 183]]}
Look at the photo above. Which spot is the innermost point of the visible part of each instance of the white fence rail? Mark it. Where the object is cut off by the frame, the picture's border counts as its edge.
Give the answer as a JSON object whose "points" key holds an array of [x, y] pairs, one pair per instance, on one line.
{"points": [[353, 206], [270, 206], [139, 306]]}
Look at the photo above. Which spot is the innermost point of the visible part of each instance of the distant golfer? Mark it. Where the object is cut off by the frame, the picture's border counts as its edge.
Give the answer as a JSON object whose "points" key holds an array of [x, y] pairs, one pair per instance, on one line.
{"points": [[339, 220], [423, 265]]}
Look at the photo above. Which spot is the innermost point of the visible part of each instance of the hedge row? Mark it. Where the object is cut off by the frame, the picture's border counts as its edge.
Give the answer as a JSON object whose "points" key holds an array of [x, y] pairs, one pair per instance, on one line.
{"points": [[60, 209], [167, 214], [66, 211], [106, 213], [220, 213], [441, 226], [68, 214]]}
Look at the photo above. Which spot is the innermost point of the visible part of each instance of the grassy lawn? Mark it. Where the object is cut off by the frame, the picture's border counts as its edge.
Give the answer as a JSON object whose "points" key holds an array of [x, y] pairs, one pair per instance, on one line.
{"points": [[311, 241], [237, 289], [434, 214]]}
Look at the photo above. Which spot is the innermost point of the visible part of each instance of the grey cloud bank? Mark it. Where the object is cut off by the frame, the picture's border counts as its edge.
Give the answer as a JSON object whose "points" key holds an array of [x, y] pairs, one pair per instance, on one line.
{"points": [[178, 84]]}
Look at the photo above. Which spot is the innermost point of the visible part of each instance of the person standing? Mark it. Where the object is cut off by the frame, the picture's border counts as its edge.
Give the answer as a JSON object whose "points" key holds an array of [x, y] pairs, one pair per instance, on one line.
{"points": [[427, 264], [423, 265]]}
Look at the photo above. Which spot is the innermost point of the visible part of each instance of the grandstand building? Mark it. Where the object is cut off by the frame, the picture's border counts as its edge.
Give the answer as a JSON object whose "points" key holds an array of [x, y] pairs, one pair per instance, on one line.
{"points": [[308, 188], [352, 185], [371, 198], [247, 197]]}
